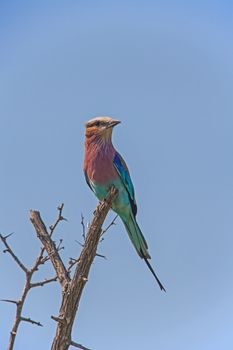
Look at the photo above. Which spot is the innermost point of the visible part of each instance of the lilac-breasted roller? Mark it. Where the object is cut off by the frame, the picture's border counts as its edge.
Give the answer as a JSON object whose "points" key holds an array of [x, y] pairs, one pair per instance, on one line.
{"points": [[104, 168]]}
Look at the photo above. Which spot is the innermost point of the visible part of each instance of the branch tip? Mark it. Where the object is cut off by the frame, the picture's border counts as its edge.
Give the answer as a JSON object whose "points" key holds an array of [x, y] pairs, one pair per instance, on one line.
{"points": [[29, 320], [78, 346], [10, 301]]}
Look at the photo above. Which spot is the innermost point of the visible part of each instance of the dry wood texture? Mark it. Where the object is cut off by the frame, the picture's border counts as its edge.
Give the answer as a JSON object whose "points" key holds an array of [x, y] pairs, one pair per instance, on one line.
{"points": [[72, 288]]}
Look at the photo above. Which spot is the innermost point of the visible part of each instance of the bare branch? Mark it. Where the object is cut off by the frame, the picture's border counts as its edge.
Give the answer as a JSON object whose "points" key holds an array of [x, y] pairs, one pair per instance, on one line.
{"points": [[10, 234], [72, 296], [10, 301], [72, 263], [42, 283], [108, 227], [46, 257], [59, 246], [71, 288], [83, 227], [78, 346], [50, 247], [99, 255], [10, 251], [29, 320], [59, 218], [40, 260]]}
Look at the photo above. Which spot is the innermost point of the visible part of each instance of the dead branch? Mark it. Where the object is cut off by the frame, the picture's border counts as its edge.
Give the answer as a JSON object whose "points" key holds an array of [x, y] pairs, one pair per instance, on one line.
{"points": [[83, 227], [49, 245], [108, 227], [29, 320], [59, 218], [40, 260], [72, 288], [10, 301], [43, 283], [10, 251]]}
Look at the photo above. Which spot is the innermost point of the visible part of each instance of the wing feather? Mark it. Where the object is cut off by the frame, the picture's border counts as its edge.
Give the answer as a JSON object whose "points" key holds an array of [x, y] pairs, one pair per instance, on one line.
{"points": [[123, 171]]}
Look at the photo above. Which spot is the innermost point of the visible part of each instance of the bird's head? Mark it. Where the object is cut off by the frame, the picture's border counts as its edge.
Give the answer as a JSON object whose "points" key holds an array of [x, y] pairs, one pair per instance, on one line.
{"points": [[101, 127]]}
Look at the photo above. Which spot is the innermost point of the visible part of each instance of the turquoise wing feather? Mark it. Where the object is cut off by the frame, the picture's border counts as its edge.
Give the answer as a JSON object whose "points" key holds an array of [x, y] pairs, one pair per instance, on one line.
{"points": [[123, 172]]}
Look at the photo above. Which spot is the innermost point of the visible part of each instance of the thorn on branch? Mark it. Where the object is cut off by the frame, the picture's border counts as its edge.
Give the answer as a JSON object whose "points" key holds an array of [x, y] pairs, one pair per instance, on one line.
{"points": [[29, 320], [101, 256], [10, 234], [58, 319], [10, 301], [59, 247], [78, 346]]}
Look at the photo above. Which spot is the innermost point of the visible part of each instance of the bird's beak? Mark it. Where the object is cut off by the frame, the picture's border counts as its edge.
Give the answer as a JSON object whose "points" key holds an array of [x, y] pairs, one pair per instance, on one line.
{"points": [[113, 123]]}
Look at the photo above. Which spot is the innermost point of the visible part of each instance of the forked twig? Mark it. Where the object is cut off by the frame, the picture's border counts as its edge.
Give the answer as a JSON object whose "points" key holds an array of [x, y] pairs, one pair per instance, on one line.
{"points": [[113, 222]]}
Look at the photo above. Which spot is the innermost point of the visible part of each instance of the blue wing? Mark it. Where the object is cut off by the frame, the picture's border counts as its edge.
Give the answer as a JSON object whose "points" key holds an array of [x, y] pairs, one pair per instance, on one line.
{"points": [[123, 172]]}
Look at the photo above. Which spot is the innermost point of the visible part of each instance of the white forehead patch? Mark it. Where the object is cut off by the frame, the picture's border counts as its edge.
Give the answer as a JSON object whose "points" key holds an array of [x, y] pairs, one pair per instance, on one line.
{"points": [[102, 119]]}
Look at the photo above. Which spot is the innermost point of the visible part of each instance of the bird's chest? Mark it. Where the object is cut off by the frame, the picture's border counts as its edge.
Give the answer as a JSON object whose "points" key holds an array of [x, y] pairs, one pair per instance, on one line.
{"points": [[100, 169]]}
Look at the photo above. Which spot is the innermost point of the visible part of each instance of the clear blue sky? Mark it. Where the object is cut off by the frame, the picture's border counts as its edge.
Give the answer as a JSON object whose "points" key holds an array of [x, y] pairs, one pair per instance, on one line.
{"points": [[165, 69]]}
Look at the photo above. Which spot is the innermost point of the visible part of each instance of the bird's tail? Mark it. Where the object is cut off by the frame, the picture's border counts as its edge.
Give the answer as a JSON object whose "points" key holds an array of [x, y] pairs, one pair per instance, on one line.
{"points": [[139, 242]]}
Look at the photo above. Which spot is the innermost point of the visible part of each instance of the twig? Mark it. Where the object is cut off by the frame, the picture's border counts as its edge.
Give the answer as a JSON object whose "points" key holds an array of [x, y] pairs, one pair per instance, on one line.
{"points": [[83, 227], [72, 263], [46, 258], [59, 218], [10, 301], [29, 320], [79, 346], [42, 283], [99, 255], [108, 227], [10, 251]]}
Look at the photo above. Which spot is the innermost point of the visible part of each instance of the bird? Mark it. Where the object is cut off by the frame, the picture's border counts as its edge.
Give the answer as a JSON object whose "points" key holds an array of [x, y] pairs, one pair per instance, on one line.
{"points": [[105, 168]]}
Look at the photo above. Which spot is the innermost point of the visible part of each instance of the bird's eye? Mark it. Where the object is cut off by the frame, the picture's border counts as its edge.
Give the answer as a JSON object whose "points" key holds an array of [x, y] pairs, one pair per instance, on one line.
{"points": [[97, 123]]}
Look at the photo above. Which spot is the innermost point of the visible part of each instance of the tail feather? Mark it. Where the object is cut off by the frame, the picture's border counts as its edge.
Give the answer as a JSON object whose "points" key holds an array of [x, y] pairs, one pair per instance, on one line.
{"points": [[140, 244], [136, 237], [154, 274]]}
